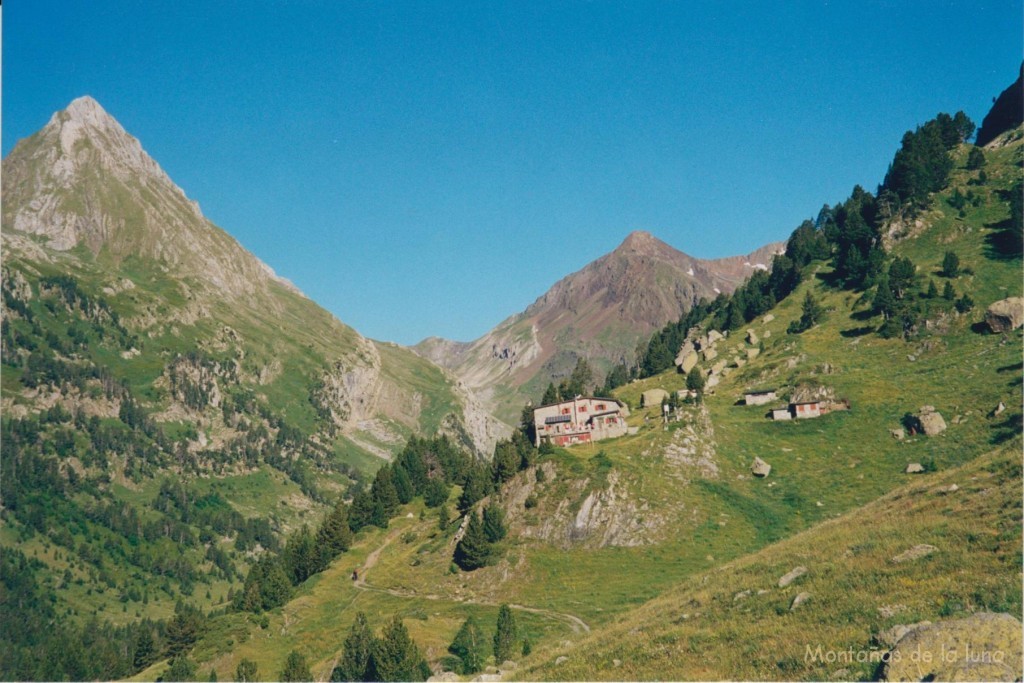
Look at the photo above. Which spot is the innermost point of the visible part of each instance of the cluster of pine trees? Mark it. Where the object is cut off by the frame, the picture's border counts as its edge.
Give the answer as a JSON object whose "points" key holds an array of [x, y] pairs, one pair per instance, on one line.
{"points": [[850, 235], [470, 647], [392, 656]]}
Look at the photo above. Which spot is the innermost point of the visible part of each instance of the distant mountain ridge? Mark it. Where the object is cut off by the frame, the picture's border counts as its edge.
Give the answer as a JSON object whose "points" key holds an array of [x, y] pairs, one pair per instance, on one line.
{"points": [[600, 312]]}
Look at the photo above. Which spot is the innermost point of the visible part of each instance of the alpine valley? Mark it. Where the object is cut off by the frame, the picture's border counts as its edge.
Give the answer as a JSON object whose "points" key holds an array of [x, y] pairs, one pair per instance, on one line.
{"points": [[206, 476]]}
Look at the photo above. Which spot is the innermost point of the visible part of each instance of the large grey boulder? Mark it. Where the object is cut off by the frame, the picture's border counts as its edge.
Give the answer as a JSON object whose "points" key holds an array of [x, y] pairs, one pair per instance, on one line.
{"points": [[981, 647], [1005, 315], [760, 468], [931, 421], [685, 350], [752, 338], [688, 362]]}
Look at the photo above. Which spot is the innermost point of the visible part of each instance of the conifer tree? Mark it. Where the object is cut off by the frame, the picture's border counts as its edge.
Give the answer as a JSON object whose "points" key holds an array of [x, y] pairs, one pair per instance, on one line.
{"points": [[355, 657], [550, 395], [951, 264], [296, 668], [494, 522], [181, 669], [334, 536], [948, 293], [395, 657], [505, 635], [470, 647], [403, 485], [473, 551], [247, 671]]}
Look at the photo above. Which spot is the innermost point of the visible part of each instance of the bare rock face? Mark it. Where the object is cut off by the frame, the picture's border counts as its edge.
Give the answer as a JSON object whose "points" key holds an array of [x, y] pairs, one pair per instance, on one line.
{"points": [[1005, 315], [981, 647]]}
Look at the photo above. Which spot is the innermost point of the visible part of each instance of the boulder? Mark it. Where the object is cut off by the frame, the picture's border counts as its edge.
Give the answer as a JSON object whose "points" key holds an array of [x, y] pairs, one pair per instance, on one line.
{"points": [[767, 318], [800, 599], [792, 576], [561, 659], [688, 363], [711, 381], [740, 362], [685, 350], [916, 553], [898, 433], [998, 409], [742, 595], [760, 468], [1005, 315], [766, 334], [931, 421], [753, 353], [653, 397], [914, 468], [714, 336], [752, 338], [981, 647], [709, 353], [717, 368], [890, 636]]}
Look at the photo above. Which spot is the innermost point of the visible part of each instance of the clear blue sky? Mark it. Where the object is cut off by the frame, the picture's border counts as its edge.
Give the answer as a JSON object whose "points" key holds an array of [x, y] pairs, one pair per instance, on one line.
{"points": [[429, 168]]}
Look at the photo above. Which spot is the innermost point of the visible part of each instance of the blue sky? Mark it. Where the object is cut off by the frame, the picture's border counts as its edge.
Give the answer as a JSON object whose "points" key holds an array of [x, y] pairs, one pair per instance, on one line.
{"points": [[431, 168]]}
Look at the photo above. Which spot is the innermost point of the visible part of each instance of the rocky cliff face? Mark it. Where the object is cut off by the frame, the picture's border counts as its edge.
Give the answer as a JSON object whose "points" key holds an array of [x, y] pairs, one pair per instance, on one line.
{"points": [[600, 312]]}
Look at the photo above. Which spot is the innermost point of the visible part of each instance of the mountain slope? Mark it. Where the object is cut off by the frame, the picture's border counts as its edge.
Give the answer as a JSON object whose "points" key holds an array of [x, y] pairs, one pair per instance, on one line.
{"points": [[82, 195], [598, 313], [170, 408]]}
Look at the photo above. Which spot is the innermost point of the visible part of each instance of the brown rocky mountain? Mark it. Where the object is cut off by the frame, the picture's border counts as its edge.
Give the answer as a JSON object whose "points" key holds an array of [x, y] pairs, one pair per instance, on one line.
{"points": [[600, 312]]}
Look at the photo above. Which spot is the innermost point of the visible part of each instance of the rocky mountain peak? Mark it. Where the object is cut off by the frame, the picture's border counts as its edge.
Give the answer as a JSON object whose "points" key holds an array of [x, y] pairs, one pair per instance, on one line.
{"points": [[643, 243], [84, 135]]}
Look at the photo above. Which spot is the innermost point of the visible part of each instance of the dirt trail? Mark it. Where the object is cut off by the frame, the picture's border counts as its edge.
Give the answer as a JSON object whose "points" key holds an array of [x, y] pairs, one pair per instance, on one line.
{"points": [[577, 624]]}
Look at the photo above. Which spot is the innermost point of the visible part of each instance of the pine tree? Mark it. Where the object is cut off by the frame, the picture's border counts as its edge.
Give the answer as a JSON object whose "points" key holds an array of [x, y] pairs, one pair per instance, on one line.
{"points": [[403, 485], [247, 671], [145, 648], [933, 291], [550, 395], [444, 517], [580, 380], [473, 551], [951, 264], [476, 486], [296, 668], [494, 522], [181, 669], [695, 381], [355, 657], [505, 636], [395, 657], [884, 302], [470, 647], [948, 293], [334, 536], [505, 463], [384, 495]]}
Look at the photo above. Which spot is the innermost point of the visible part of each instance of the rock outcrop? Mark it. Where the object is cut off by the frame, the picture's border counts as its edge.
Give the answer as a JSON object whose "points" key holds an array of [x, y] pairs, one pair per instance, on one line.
{"points": [[981, 647], [1005, 315]]}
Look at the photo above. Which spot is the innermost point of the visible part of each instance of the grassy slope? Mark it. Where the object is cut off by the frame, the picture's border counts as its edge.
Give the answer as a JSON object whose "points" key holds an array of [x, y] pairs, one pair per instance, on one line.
{"points": [[700, 631], [822, 469]]}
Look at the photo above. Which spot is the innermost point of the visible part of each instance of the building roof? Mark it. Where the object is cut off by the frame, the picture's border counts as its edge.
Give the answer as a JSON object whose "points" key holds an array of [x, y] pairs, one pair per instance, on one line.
{"points": [[760, 392], [583, 398]]}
